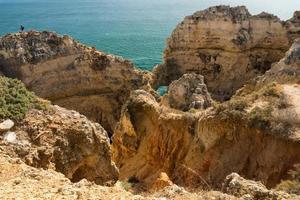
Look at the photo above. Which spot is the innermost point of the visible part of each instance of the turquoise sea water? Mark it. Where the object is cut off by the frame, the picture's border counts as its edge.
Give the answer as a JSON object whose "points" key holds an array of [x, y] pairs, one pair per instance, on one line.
{"points": [[134, 29]]}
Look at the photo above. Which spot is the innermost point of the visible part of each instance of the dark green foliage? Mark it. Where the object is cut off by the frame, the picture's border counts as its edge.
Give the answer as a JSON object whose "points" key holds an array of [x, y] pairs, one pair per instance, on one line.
{"points": [[16, 100]]}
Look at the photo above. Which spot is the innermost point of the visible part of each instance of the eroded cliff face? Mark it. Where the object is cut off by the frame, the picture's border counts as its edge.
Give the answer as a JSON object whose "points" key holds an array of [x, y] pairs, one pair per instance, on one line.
{"points": [[64, 141], [70, 74], [255, 134], [228, 46], [51, 137]]}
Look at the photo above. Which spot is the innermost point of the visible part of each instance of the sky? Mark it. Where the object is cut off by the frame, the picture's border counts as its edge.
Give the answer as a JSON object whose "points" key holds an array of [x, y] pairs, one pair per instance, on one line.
{"points": [[282, 8]]}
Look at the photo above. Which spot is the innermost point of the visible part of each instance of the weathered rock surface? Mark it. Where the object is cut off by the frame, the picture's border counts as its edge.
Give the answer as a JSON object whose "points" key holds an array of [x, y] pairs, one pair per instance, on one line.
{"points": [[256, 134], [70, 74], [65, 141], [247, 189], [189, 92], [228, 46], [161, 182], [20, 181], [287, 70], [6, 125], [201, 148], [293, 26]]}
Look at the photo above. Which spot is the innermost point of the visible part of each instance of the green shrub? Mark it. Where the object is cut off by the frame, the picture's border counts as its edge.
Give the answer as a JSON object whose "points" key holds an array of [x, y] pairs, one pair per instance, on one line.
{"points": [[260, 118], [16, 100], [234, 110]]}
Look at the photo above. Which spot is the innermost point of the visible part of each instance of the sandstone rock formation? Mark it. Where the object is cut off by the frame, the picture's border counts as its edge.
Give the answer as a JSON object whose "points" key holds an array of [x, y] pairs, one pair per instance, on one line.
{"points": [[256, 134], [228, 46], [184, 138], [293, 26], [65, 141], [20, 181], [70, 74], [46, 136], [247, 189], [287, 70], [161, 182], [189, 92]]}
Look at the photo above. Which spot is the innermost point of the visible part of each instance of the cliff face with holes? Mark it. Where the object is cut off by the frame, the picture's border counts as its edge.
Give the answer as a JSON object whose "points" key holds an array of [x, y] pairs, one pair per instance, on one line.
{"points": [[228, 46], [256, 133], [70, 74]]}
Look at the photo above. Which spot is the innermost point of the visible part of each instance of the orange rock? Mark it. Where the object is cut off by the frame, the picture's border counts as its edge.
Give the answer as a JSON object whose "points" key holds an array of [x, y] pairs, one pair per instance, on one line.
{"points": [[161, 182]]}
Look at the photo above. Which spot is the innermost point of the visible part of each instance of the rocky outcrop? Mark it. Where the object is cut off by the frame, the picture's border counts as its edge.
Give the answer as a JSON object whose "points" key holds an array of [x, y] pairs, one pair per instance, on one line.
{"points": [[20, 181], [188, 92], [255, 134], [149, 139], [287, 70], [62, 140], [247, 189], [70, 74], [201, 148], [228, 46], [293, 26]]}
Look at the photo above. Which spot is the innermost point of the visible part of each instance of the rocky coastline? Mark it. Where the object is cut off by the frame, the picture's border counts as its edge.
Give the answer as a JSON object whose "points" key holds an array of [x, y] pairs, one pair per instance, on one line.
{"points": [[77, 123]]}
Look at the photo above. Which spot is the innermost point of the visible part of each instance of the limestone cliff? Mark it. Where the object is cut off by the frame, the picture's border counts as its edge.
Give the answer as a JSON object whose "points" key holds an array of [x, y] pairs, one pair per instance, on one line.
{"points": [[70, 74], [255, 134], [188, 92], [46, 136], [228, 46]]}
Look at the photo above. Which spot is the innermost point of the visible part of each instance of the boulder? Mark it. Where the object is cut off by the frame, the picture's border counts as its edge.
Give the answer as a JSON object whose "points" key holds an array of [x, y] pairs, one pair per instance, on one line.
{"points": [[10, 137], [161, 182], [6, 125], [189, 92], [235, 185]]}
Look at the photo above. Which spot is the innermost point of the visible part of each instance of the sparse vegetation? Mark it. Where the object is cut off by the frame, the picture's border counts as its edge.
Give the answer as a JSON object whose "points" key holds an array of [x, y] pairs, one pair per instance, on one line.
{"points": [[270, 90], [260, 117], [234, 109], [126, 185], [16, 100], [292, 185], [243, 106]]}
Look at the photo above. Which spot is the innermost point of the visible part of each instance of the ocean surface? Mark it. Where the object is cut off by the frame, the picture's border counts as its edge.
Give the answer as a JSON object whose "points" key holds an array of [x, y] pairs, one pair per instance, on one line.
{"points": [[134, 29]]}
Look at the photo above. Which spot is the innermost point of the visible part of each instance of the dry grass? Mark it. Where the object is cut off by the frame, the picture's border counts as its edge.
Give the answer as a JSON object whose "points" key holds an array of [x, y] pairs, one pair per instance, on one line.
{"points": [[244, 106], [292, 185]]}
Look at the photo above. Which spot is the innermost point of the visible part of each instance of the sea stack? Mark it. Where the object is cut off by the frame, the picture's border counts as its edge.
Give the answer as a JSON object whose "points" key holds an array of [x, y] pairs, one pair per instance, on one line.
{"points": [[228, 46]]}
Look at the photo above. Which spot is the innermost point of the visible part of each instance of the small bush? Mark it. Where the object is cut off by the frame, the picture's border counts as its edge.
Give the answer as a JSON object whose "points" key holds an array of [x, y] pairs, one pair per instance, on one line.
{"points": [[16, 100], [260, 118], [271, 90], [234, 109]]}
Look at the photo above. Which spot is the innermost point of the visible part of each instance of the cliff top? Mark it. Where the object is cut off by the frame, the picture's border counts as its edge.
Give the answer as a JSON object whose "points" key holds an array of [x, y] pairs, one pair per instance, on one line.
{"points": [[35, 46], [236, 14]]}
